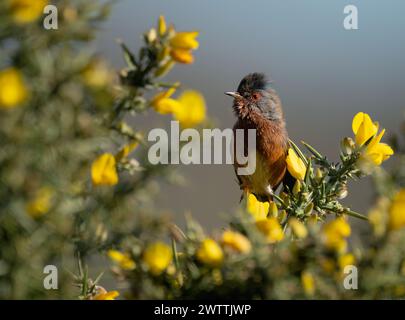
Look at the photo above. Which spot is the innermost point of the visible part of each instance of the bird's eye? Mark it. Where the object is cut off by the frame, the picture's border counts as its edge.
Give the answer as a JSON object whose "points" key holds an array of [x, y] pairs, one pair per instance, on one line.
{"points": [[255, 96]]}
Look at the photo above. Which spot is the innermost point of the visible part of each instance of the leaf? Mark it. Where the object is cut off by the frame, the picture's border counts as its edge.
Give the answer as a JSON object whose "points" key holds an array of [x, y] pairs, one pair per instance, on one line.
{"points": [[128, 56]]}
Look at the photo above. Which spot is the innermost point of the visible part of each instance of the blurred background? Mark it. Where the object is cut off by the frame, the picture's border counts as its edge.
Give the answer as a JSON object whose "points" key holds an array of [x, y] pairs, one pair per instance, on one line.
{"points": [[323, 73]]}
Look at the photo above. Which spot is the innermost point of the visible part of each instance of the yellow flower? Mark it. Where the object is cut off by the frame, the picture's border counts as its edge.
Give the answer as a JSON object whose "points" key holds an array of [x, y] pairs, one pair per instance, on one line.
{"points": [[157, 256], [12, 88], [26, 11], [364, 130], [41, 204], [271, 229], [181, 45], [104, 171], [210, 253], [397, 211], [184, 40], [104, 295], [346, 260], [236, 241], [192, 109], [162, 102], [258, 209], [295, 165], [298, 228], [162, 25], [97, 74], [126, 150], [182, 56], [334, 234], [308, 283], [122, 259]]}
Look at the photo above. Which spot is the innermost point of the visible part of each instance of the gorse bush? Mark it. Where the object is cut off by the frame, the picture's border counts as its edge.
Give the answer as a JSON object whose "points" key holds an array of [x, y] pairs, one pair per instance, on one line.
{"points": [[77, 189]]}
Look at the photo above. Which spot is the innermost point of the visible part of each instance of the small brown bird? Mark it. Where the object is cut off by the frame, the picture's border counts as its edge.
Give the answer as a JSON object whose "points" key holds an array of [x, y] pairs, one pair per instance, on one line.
{"points": [[257, 106]]}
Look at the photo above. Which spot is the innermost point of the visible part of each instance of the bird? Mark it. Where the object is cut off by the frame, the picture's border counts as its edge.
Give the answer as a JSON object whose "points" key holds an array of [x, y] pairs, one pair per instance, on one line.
{"points": [[257, 106]]}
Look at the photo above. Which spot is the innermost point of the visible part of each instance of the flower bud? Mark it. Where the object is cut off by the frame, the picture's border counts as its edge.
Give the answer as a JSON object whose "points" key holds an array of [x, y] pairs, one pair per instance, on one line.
{"points": [[297, 187], [347, 145], [273, 210]]}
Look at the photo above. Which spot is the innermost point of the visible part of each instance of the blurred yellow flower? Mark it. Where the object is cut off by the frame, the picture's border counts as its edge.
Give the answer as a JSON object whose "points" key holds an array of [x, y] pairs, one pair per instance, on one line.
{"points": [[191, 110], [162, 25], [12, 88], [26, 11], [210, 253], [334, 233], [298, 228], [126, 150], [157, 256], [364, 130], [271, 229], [397, 211], [182, 56], [97, 74], [346, 260], [295, 165], [185, 40], [41, 204], [104, 171], [122, 259], [181, 45], [104, 295], [308, 283], [162, 102], [257, 209], [236, 241]]}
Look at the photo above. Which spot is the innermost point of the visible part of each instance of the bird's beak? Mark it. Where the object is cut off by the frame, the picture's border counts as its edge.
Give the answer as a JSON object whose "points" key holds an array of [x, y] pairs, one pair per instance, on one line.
{"points": [[233, 94]]}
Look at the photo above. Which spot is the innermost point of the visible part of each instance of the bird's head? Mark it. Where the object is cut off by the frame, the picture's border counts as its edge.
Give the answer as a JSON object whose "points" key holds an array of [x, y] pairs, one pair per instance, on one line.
{"points": [[254, 97]]}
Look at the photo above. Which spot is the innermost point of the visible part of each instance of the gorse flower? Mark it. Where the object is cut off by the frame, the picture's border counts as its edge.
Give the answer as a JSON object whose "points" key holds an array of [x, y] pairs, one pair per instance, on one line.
{"points": [[346, 260], [97, 74], [163, 103], [335, 233], [236, 241], [298, 228], [257, 209], [210, 253], [271, 229], [157, 256], [181, 46], [102, 294], [189, 108], [308, 283], [295, 165], [13, 91], [26, 11], [41, 204], [365, 131], [122, 259], [104, 171], [397, 211]]}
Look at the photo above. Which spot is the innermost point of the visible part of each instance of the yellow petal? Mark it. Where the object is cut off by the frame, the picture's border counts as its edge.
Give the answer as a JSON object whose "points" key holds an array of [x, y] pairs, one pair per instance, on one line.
{"points": [[192, 109], [271, 229], [111, 295], [363, 127], [166, 106], [26, 11], [295, 165], [103, 170], [210, 253], [258, 209], [185, 40], [397, 211], [12, 88], [157, 256], [162, 26], [182, 55]]}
